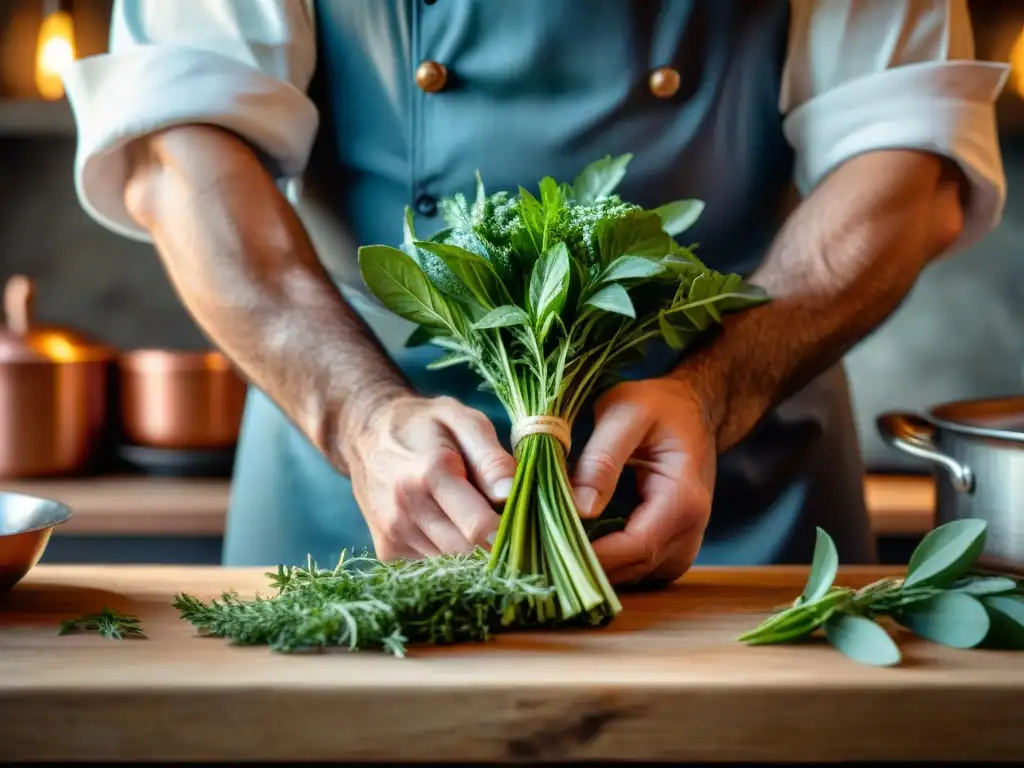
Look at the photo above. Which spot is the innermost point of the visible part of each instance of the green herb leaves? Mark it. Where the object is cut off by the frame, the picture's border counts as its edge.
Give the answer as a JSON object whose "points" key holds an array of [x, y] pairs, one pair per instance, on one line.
{"points": [[939, 600], [945, 554], [397, 281], [545, 295], [107, 623], [364, 603], [862, 640]]}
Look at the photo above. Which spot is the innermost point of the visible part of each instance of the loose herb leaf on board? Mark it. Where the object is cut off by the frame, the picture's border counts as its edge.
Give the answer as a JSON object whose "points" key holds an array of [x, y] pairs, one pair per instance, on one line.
{"points": [[824, 566], [862, 640], [946, 553], [107, 623], [955, 619]]}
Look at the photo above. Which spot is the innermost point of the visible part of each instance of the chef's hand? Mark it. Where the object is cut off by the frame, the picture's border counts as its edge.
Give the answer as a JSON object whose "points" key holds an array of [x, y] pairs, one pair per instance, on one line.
{"points": [[418, 465], [662, 426]]}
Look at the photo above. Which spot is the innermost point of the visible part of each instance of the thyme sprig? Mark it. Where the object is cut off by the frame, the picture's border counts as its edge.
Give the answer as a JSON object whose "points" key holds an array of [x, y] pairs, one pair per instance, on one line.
{"points": [[108, 623], [364, 603]]}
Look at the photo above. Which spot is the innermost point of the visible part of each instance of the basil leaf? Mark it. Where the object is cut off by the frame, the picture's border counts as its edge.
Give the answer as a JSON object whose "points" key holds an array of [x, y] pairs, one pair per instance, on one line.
{"points": [[502, 317], [824, 566], [600, 178], [400, 285], [984, 585], [638, 233], [473, 271], [630, 268], [946, 553], [549, 284], [679, 216], [862, 640], [1006, 615], [613, 298], [949, 618]]}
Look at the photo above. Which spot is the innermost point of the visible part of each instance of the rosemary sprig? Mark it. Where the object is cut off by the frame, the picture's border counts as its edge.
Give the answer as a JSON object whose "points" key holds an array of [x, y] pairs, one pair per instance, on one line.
{"points": [[364, 603], [941, 599], [108, 623]]}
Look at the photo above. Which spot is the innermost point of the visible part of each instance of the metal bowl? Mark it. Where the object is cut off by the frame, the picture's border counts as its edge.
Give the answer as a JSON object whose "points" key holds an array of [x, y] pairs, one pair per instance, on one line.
{"points": [[26, 523]]}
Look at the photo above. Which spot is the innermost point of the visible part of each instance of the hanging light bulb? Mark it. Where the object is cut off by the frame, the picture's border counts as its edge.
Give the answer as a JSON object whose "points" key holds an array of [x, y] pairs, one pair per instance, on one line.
{"points": [[55, 49]]}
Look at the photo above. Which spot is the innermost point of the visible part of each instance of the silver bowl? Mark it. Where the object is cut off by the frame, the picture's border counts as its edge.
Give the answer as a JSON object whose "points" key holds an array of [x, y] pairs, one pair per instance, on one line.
{"points": [[26, 523]]}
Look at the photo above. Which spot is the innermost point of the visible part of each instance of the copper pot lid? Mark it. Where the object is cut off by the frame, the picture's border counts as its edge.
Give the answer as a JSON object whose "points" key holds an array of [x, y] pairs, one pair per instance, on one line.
{"points": [[42, 342], [999, 418]]}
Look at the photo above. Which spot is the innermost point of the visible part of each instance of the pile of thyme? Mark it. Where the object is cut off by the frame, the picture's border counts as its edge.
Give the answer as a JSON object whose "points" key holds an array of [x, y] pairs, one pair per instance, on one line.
{"points": [[365, 603]]}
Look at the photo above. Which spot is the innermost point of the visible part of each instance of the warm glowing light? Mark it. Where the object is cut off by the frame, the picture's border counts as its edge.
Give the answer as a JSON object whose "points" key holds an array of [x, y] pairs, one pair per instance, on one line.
{"points": [[54, 51], [1017, 64]]}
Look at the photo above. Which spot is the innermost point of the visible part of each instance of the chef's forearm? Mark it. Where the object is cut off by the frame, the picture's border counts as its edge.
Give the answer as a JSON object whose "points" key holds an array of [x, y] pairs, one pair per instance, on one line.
{"points": [[242, 263], [843, 262]]}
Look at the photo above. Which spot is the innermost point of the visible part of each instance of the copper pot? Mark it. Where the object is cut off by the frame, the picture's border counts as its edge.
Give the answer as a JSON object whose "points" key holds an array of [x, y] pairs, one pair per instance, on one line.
{"points": [[180, 400], [53, 393]]}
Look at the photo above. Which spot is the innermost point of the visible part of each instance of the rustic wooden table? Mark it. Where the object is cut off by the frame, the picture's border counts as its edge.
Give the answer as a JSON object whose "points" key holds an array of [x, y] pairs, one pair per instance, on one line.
{"points": [[666, 681]]}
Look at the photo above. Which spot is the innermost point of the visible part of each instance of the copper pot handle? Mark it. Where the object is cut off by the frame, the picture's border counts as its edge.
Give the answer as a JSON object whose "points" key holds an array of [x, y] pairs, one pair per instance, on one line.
{"points": [[19, 294]]}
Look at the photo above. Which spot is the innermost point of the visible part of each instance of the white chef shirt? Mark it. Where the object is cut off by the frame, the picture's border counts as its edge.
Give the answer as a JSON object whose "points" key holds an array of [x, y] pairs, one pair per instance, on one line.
{"points": [[860, 75]]}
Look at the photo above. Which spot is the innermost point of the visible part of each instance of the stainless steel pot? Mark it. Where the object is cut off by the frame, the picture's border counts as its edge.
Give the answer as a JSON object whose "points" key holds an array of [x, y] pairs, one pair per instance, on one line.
{"points": [[977, 450]]}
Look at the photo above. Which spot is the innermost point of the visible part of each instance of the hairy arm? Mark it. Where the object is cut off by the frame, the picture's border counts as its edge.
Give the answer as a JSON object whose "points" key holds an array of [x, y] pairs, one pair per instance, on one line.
{"points": [[843, 262], [246, 270]]}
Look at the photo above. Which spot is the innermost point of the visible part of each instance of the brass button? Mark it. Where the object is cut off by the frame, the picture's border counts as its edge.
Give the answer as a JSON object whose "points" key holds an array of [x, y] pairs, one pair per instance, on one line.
{"points": [[431, 76], [664, 82]]}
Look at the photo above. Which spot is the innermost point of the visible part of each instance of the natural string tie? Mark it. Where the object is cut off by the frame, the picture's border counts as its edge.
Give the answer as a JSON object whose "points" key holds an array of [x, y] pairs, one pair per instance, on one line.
{"points": [[542, 425]]}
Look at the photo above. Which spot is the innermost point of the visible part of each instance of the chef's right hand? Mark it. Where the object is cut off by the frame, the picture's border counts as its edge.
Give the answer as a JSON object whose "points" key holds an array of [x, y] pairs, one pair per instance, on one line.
{"points": [[426, 473]]}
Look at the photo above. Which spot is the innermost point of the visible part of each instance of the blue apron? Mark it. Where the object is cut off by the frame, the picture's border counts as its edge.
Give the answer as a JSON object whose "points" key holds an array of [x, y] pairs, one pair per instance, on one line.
{"points": [[542, 87]]}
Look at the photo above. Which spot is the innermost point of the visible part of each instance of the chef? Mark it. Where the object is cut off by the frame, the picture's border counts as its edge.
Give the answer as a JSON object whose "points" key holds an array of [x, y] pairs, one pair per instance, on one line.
{"points": [[839, 145]]}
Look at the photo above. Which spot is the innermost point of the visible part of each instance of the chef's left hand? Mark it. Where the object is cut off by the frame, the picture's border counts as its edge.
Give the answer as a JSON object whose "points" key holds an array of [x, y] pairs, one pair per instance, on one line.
{"points": [[662, 426]]}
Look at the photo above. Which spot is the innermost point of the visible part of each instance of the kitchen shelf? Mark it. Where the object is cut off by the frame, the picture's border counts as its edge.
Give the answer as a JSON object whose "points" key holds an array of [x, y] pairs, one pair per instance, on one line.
{"points": [[899, 505], [29, 118]]}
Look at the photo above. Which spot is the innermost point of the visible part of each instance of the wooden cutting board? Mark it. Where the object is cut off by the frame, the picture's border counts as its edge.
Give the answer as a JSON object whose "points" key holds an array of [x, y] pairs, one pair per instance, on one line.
{"points": [[666, 681]]}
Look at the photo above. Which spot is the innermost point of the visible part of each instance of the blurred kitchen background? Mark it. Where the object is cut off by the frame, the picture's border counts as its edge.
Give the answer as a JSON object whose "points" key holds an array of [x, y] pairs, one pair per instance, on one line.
{"points": [[958, 336]]}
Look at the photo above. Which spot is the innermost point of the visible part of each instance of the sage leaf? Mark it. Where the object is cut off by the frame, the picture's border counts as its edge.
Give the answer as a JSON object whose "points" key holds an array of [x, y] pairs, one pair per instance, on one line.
{"points": [[946, 553], [613, 298], [474, 272], [630, 268], [502, 317], [1006, 615], [400, 285], [949, 618], [824, 566], [984, 585], [600, 178], [862, 640], [680, 215]]}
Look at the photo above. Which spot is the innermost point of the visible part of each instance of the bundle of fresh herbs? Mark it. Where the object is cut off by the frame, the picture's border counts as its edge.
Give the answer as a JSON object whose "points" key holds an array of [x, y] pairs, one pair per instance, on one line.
{"points": [[940, 599], [546, 297]]}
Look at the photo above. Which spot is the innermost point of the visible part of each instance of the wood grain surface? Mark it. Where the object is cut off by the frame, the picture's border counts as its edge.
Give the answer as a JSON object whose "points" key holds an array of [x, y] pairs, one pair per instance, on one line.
{"points": [[666, 682]]}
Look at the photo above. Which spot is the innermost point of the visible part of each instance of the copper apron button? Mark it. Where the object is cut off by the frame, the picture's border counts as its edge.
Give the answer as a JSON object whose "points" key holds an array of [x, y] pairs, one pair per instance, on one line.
{"points": [[664, 82], [431, 76]]}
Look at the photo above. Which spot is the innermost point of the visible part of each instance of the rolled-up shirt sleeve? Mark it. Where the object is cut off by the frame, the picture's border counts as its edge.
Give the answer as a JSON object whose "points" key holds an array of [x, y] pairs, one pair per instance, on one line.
{"points": [[865, 75], [242, 65]]}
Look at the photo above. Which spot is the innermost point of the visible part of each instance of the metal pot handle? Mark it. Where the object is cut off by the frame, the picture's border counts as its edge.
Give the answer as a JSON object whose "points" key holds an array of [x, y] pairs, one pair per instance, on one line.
{"points": [[912, 434]]}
